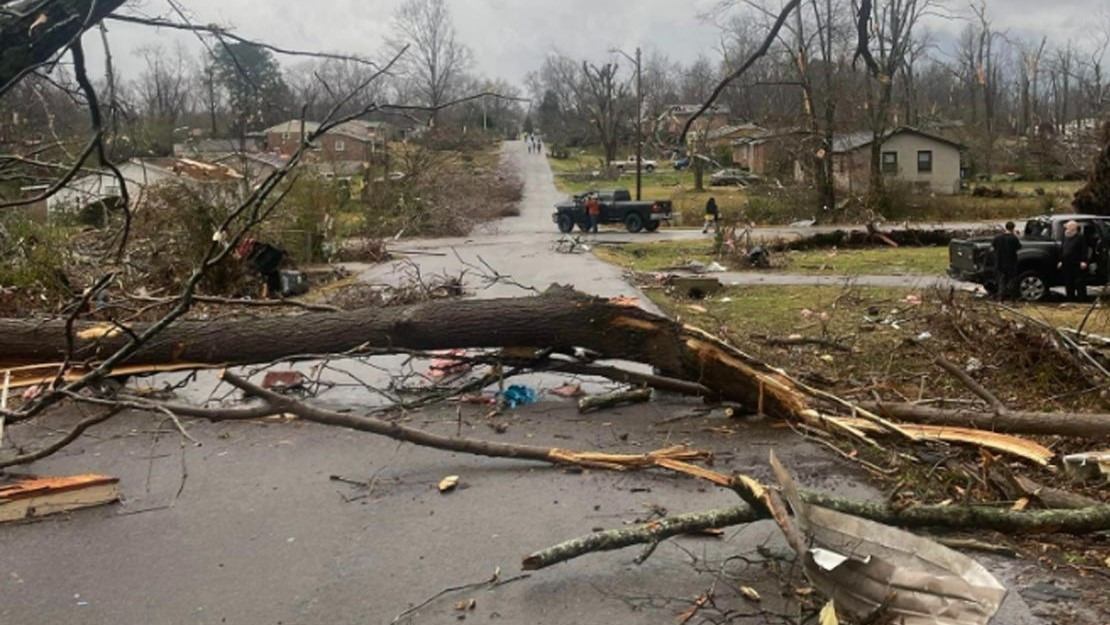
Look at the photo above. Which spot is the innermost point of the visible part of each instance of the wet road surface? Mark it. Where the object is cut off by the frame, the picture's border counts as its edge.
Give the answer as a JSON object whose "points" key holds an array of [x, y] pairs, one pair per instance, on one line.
{"points": [[249, 528]]}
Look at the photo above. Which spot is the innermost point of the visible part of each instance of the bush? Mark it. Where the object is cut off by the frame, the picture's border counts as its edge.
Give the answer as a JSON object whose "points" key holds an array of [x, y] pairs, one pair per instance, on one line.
{"points": [[34, 256]]}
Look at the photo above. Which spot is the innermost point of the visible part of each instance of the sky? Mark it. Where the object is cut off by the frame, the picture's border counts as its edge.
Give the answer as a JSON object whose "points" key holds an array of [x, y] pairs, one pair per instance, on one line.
{"points": [[509, 38]]}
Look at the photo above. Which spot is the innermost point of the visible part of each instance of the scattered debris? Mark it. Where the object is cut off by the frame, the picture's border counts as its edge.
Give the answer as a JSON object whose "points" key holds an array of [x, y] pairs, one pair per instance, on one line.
{"points": [[33, 497], [870, 569], [750, 593], [285, 382], [452, 362], [517, 395], [448, 484], [694, 287], [609, 400], [1088, 466], [568, 391]]}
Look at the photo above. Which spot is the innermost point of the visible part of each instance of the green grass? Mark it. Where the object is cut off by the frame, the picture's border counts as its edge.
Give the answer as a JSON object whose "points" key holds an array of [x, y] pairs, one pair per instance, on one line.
{"points": [[876, 261], [782, 311], [659, 255]]}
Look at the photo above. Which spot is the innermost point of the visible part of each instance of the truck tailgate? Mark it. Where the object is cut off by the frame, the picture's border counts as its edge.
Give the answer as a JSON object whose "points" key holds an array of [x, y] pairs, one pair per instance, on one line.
{"points": [[961, 256]]}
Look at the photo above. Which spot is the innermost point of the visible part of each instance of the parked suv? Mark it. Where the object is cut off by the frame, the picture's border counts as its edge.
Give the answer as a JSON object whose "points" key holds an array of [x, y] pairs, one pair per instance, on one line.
{"points": [[972, 260]]}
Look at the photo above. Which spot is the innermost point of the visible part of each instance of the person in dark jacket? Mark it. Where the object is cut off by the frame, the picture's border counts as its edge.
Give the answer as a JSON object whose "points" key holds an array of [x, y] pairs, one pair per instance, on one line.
{"points": [[1073, 262], [712, 216], [266, 260], [1005, 246]]}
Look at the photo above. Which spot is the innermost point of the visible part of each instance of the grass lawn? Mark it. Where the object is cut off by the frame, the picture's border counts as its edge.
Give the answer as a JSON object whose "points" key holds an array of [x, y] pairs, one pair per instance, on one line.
{"points": [[658, 255], [885, 338], [875, 261]]}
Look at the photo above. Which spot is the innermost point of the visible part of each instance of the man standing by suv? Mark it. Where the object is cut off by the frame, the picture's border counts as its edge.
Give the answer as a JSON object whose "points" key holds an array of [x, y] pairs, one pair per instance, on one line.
{"points": [[1005, 246], [1073, 262]]}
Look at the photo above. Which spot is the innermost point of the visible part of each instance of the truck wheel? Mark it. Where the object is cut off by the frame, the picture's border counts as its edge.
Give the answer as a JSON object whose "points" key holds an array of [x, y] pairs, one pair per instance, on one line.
{"points": [[565, 223], [652, 225], [649, 168], [634, 222], [1032, 286]]}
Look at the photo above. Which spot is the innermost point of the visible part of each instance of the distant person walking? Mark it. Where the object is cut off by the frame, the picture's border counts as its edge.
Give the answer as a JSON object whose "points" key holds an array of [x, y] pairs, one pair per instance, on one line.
{"points": [[1073, 262], [1005, 246], [712, 216], [593, 210]]}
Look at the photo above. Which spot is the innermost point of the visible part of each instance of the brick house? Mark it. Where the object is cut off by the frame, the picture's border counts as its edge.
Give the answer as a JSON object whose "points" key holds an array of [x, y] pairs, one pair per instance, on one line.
{"points": [[355, 140]]}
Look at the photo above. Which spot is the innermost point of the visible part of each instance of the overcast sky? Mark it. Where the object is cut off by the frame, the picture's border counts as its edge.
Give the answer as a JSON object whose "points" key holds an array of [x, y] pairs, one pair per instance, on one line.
{"points": [[509, 38]]}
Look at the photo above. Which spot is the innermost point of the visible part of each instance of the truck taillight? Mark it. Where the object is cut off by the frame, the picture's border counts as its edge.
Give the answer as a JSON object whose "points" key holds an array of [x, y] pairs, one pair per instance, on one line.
{"points": [[655, 208]]}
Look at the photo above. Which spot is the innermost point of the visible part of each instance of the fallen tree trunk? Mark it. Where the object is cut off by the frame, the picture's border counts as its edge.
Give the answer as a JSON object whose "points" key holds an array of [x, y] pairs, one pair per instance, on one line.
{"points": [[560, 318], [1008, 421], [32, 31]]}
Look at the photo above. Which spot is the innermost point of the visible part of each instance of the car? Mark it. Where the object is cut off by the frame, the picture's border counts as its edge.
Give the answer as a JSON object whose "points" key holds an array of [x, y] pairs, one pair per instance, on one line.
{"points": [[972, 260], [681, 163], [630, 163], [738, 177], [617, 206]]}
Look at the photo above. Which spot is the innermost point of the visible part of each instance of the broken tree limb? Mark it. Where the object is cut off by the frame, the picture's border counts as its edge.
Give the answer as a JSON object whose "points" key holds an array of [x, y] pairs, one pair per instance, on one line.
{"points": [[560, 318], [647, 533], [611, 400], [33, 31], [1022, 448], [618, 374], [969, 382], [396, 431], [1016, 486], [1086, 520], [1084, 425]]}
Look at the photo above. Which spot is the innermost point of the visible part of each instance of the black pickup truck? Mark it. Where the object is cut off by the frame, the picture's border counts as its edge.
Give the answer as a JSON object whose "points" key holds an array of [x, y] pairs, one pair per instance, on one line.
{"points": [[972, 260], [617, 206]]}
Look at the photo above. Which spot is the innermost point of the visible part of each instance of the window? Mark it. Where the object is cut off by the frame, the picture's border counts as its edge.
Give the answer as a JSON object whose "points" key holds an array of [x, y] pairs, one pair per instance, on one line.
{"points": [[340, 145], [890, 162], [924, 161]]}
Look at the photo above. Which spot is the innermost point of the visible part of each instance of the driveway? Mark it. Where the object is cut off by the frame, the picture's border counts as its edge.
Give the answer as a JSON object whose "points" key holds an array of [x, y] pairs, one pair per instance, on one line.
{"points": [[250, 527]]}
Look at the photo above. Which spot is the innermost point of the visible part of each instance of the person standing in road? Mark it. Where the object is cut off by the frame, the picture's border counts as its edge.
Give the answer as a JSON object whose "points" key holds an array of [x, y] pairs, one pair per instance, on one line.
{"points": [[593, 209], [712, 216], [1073, 262], [1005, 246]]}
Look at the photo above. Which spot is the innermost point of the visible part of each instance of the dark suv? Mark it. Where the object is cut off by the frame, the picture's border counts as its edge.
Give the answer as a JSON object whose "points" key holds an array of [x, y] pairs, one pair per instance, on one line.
{"points": [[972, 260]]}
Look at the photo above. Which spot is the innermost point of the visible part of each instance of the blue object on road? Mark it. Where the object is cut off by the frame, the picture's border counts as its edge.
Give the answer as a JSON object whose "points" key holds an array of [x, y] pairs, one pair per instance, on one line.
{"points": [[518, 395]]}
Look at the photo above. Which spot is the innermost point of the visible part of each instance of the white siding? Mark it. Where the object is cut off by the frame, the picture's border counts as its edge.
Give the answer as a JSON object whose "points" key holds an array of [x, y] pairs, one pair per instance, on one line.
{"points": [[945, 176]]}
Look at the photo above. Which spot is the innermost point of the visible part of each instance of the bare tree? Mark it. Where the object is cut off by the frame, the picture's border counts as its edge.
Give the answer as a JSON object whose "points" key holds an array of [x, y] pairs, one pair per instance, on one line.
{"points": [[163, 89], [436, 61], [606, 99], [886, 33]]}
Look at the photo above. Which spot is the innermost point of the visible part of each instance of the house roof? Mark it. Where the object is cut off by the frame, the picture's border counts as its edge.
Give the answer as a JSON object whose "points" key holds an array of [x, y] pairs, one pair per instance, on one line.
{"points": [[358, 129], [724, 131], [855, 140], [690, 109], [293, 126], [208, 146]]}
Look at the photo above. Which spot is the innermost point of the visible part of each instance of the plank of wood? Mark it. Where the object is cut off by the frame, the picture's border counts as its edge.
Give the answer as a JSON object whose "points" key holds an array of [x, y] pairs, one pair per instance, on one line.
{"points": [[42, 496]]}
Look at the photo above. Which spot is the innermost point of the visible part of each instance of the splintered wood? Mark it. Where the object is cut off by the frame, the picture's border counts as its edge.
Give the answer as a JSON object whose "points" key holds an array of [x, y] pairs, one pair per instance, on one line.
{"points": [[42, 496]]}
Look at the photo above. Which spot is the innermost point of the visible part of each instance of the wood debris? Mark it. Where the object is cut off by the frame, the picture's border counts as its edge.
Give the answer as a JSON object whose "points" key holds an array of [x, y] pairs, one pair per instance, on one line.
{"points": [[42, 496]]}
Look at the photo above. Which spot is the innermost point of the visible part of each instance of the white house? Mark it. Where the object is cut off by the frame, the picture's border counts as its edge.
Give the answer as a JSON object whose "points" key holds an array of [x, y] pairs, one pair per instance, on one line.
{"points": [[139, 175]]}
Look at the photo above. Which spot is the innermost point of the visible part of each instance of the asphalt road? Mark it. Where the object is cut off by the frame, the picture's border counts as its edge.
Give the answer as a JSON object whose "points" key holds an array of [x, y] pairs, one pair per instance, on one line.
{"points": [[248, 528]]}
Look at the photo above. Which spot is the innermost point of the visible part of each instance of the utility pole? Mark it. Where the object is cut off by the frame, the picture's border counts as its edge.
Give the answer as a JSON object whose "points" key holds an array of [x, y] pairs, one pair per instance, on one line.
{"points": [[639, 125], [639, 117]]}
